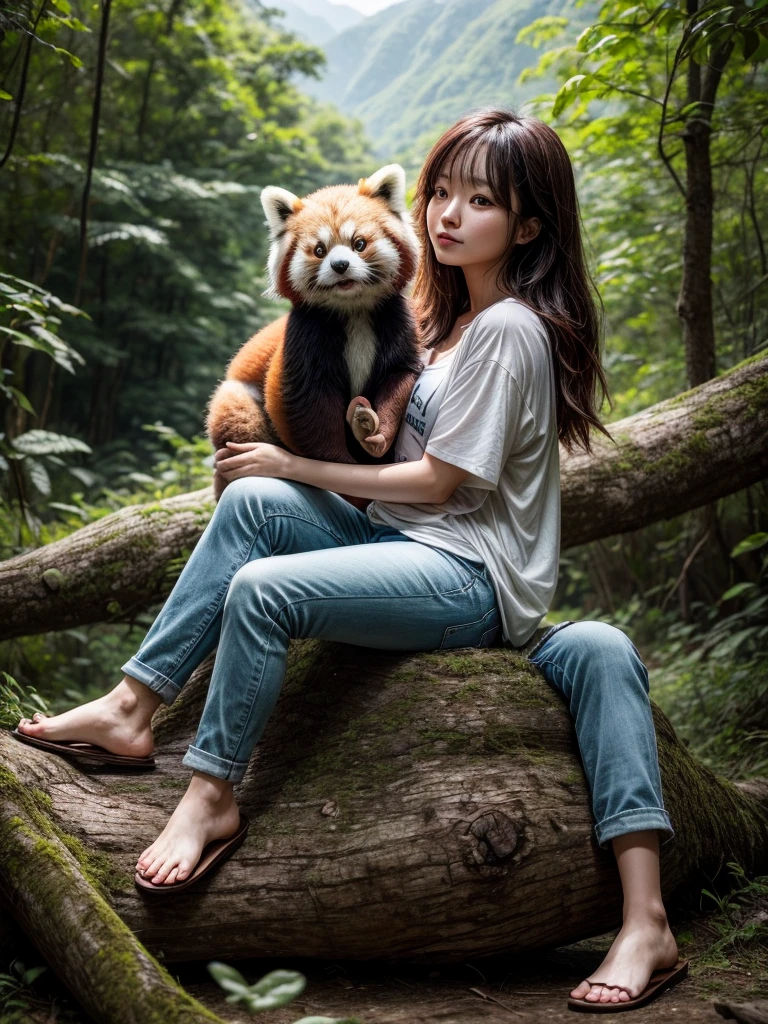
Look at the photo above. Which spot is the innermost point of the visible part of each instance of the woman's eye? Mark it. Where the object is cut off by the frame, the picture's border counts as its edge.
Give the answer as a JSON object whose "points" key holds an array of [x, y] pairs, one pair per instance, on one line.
{"points": [[437, 190], [485, 201], [359, 244], [319, 250]]}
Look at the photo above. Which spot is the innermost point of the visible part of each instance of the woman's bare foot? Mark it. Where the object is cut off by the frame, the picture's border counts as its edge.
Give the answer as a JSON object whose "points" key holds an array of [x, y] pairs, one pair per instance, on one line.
{"points": [[207, 811], [642, 945], [119, 721]]}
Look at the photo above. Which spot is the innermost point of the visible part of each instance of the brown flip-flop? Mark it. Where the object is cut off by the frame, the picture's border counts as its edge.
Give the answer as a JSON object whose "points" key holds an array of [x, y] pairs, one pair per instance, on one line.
{"points": [[213, 856], [85, 751], [659, 982]]}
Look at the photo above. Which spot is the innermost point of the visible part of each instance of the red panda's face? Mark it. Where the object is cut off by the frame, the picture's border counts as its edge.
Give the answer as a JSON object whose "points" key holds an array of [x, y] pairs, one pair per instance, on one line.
{"points": [[344, 247]]}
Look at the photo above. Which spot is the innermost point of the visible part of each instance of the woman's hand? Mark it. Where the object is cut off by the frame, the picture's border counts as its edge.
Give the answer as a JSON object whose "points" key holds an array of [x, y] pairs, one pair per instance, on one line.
{"points": [[253, 458], [365, 426]]}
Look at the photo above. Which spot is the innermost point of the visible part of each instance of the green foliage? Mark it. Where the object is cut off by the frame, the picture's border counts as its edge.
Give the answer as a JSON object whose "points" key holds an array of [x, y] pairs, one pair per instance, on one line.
{"points": [[274, 990], [621, 109], [198, 114], [736, 922], [18, 701], [15, 989]]}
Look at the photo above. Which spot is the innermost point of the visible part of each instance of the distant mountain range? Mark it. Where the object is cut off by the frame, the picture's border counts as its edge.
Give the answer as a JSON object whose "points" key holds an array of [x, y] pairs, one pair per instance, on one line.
{"points": [[316, 21], [413, 68]]}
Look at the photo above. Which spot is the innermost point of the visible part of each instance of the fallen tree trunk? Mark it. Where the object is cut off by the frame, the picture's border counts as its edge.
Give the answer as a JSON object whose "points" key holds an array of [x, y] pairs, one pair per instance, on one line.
{"points": [[675, 456], [54, 888], [428, 806]]}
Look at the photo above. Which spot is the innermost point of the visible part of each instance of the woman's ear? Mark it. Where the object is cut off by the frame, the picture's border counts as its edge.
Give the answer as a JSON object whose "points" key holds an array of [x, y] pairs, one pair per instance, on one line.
{"points": [[529, 230]]}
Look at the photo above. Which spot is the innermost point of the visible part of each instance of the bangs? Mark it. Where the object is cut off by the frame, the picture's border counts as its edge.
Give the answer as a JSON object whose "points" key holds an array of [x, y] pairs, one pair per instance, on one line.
{"points": [[482, 162]]}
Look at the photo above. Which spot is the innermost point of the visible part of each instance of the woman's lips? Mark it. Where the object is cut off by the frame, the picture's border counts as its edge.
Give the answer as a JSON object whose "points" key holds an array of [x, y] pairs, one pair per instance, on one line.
{"points": [[445, 240]]}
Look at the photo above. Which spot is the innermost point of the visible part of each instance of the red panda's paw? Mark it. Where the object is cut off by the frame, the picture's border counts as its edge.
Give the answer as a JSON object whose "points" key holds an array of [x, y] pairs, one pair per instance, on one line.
{"points": [[375, 445], [363, 420]]}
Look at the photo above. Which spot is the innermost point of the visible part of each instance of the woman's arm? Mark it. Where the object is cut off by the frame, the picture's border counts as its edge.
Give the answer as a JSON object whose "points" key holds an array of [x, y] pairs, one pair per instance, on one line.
{"points": [[428, 481]]}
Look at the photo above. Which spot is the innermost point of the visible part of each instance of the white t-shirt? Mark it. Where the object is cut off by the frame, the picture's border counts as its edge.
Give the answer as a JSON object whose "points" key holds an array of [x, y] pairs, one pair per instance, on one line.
{"points": [[494, 416]]}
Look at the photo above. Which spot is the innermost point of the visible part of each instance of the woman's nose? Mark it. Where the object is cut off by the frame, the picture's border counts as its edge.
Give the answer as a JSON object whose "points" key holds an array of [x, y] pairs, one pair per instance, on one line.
{"points": [[451, 215]]}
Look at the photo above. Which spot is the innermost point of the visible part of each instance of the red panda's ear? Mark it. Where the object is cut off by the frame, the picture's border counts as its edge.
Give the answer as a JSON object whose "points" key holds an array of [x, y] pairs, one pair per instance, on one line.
{"points": [[278, 205], [388, 185]]}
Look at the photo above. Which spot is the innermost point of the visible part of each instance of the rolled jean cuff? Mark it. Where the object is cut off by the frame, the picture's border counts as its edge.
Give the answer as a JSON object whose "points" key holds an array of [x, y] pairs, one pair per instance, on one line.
{"points": [[167, 690], [219, 767], [636, 819]]}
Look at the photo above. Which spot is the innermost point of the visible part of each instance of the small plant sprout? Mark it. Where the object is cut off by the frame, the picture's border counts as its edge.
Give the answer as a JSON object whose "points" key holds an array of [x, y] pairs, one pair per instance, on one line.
{"points": [[272, 991]]}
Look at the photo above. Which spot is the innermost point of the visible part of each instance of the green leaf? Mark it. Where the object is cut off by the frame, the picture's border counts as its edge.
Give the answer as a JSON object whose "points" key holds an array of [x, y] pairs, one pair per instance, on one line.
{"points": [[22, 400], [38, 474], [46, 442], [5, 95], [739, 588], [276, 989], [328, 1020], [567, 93], [751, 543], [228, 978], [32, 974]]}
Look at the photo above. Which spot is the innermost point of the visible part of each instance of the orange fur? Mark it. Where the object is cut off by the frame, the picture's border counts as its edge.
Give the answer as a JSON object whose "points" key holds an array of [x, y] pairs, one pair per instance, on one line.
{"points": [[249, 404]]}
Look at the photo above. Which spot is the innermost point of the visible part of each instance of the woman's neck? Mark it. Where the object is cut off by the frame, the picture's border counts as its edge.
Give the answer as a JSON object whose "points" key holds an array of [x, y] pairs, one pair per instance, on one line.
{"points": [[482, 289]]}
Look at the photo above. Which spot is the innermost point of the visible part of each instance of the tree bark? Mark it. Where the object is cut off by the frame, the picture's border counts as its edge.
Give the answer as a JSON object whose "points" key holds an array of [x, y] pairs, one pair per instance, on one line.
{"points": [[430, 806], [694, 303], [677, 455]]}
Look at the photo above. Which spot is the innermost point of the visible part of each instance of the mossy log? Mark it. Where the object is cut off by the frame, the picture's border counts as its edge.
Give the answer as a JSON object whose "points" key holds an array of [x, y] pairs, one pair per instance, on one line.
{"points": [[674, 456], [425, 806], [54, 887]]}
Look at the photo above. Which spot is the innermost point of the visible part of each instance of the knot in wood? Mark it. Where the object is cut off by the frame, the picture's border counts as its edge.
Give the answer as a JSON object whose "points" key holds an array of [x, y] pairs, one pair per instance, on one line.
{"points": [[53, 579], [492, 839]]}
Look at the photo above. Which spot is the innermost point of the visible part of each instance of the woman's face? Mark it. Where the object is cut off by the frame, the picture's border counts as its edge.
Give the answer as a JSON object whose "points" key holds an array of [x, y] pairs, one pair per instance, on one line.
{"points": [[469, 214]]}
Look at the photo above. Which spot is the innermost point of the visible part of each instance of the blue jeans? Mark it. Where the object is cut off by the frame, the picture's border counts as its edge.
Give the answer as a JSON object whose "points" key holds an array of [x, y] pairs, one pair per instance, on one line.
{"points": [[281, 560]]}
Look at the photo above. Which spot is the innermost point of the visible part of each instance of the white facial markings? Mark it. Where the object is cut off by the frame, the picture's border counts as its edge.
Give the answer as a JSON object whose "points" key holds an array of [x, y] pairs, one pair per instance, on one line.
{"points": [[347, 231], [324, 235], [359, 351], [386, 258]]}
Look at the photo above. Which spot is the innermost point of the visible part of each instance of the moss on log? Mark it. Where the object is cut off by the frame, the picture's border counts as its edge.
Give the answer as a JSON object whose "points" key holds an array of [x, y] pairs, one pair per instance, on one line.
{"points": [[56, 889]]}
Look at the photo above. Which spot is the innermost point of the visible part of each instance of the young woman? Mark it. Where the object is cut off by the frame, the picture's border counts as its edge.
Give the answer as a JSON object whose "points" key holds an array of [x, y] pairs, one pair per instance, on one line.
{"points": [[511, 366]]}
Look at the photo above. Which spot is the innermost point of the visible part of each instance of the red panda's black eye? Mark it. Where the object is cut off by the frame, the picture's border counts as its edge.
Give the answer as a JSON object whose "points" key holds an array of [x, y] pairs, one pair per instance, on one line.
{"points": [[359, 244], [319, 249]]}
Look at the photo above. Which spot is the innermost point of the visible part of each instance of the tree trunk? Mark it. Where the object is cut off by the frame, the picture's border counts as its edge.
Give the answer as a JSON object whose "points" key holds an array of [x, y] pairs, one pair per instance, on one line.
{"points": [[430, 806], [694, 303], [677, 455]]}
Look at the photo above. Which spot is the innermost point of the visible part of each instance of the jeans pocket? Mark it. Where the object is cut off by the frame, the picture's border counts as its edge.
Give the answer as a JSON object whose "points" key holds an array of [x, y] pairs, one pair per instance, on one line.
{"points": [[479, 633]]}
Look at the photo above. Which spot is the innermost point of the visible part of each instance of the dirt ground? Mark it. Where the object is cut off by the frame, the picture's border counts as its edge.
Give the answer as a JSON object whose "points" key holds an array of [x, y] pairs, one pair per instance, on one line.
{"points": [[492, 991], [498, 990]]}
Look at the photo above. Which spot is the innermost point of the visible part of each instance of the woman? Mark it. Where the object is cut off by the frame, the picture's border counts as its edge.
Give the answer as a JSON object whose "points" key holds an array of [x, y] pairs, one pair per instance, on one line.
{"points": [[511, 366]]}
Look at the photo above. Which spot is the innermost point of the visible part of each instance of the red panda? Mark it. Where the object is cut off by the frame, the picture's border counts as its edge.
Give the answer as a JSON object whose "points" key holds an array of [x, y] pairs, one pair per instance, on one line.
{"points": [[343, 257]]}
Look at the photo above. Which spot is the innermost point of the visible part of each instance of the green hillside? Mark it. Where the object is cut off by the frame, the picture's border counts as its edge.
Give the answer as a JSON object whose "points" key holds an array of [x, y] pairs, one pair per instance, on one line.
{"points": [[415, 67]]}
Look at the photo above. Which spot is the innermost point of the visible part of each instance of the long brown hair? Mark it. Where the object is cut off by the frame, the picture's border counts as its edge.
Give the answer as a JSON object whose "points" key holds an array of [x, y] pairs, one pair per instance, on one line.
{"points": [[523, 155]]}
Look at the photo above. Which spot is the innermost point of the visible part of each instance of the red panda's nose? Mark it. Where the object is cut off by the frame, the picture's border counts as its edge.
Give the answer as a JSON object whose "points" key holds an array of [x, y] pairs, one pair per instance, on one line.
{"points": [[340, 265]]}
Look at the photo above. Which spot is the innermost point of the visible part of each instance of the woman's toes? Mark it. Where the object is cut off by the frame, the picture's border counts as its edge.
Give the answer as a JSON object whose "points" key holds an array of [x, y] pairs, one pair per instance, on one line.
{"points": [[581, 990], [594, 993], [172, 876], [164, 871]]}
